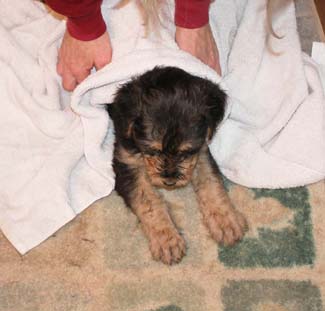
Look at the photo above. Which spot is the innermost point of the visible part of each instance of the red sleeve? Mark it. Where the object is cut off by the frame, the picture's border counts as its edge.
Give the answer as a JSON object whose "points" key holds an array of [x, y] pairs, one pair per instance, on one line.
{"points": [[85, 21], [191, 13]]}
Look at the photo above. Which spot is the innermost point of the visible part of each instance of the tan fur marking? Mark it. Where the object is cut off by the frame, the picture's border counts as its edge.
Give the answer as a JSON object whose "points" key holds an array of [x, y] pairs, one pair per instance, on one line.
{"points": [[151, 167], [127, 158], [224, 223], [151, 164], [188, 166], [185, 146], [156, 145], [129, 130], [166, 244]]}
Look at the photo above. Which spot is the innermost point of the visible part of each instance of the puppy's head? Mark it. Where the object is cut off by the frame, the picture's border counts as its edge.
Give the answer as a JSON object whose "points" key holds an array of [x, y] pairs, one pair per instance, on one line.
{"points": [[167, 115]]}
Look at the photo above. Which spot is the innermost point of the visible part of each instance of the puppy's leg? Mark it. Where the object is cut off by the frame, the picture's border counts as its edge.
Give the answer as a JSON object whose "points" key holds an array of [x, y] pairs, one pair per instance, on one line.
{"points": [[224, 223], [132, 184]]}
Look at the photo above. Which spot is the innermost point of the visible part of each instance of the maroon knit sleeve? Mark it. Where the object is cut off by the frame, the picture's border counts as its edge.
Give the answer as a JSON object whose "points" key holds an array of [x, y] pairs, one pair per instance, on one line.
{"points": [[191, 13], [85, 21]]}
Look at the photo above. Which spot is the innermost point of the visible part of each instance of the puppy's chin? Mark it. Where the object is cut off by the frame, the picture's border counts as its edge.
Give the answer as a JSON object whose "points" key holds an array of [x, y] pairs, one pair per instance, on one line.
{"points": [[168, 185]]}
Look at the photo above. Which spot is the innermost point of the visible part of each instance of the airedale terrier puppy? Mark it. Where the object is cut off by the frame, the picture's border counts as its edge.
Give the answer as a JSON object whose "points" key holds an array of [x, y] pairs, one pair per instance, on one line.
{"points": [[164, 120]]}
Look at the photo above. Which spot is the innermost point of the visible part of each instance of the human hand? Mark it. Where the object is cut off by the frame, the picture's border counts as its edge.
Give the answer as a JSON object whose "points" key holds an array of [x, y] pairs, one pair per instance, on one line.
{"points": [[77, 58], [200, 43]]}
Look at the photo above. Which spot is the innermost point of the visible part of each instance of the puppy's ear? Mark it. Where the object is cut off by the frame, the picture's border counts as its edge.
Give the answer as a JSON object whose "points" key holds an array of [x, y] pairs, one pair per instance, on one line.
{"points": [[126, 108], [110, 110], [215, 100]]}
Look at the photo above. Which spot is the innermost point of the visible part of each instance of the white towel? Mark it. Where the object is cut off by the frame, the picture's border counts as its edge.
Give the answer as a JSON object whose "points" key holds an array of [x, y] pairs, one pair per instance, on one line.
{"points": [[45, 179], [54, 163], [318, 55]]}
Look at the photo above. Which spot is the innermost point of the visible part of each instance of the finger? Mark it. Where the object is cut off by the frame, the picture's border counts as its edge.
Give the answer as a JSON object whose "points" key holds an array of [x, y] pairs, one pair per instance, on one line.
{"points": [[59, 67], [216, 65], [81, 75], [99, 64], [69, 82], [217, 68]]}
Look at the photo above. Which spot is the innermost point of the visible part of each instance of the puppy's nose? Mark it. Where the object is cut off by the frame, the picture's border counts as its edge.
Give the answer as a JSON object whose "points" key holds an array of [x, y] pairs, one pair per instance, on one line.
{"points": [[169, 174], [169, 183]]}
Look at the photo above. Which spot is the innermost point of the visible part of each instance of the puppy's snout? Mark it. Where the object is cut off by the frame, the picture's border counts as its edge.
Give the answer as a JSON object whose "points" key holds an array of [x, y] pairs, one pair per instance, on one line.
{"points": [[169, 174], [169, 177]]}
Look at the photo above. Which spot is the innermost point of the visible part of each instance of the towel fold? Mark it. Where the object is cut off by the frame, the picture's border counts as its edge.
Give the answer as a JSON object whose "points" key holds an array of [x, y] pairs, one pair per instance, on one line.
{"points": [[56, 149]]}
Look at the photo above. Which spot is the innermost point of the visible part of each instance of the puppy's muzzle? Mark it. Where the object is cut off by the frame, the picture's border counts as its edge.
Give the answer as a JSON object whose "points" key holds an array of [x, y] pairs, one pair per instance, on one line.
{"points": [[170, 177]]}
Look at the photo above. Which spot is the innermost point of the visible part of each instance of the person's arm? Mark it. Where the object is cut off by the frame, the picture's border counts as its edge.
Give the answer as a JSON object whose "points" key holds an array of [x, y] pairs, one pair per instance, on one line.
{"points": [[86, 43], [84, 18], [191, 13], [193, 32]]}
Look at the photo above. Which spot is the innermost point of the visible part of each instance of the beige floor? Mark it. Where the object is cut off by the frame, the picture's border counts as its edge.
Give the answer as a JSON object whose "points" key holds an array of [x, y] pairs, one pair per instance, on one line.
{"points": [[101, 261]]}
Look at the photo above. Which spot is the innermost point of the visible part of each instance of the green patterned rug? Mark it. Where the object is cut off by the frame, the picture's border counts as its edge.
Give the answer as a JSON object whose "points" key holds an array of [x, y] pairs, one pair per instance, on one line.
{"points": [[101, 261]]}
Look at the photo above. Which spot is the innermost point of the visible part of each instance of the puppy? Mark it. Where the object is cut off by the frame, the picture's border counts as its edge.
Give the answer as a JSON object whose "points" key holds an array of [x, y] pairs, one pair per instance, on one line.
{"points": [[163, 121]]}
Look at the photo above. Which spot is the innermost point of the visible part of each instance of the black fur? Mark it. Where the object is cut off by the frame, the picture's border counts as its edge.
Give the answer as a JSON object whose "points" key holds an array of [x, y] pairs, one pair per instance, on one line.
{"points": [[125, 180], [166, 105]]}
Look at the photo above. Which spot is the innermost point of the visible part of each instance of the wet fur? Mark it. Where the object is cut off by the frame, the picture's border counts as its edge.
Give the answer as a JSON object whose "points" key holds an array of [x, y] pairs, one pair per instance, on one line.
{"points": [[163, 120]]}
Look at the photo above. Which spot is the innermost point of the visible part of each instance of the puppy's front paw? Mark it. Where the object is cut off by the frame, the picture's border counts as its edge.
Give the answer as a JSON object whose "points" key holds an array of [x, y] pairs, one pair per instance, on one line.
{"points": [[227, 228], [167, 245]]}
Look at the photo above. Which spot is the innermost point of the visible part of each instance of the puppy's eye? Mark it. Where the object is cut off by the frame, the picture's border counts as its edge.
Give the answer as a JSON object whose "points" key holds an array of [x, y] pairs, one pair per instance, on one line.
{"points": [[187, 153], [152, 152]]}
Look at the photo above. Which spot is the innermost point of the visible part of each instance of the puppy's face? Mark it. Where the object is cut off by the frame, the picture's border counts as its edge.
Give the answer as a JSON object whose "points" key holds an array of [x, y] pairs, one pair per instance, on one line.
{"points": [[168, 115], [170, 138], [169, 164]]}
